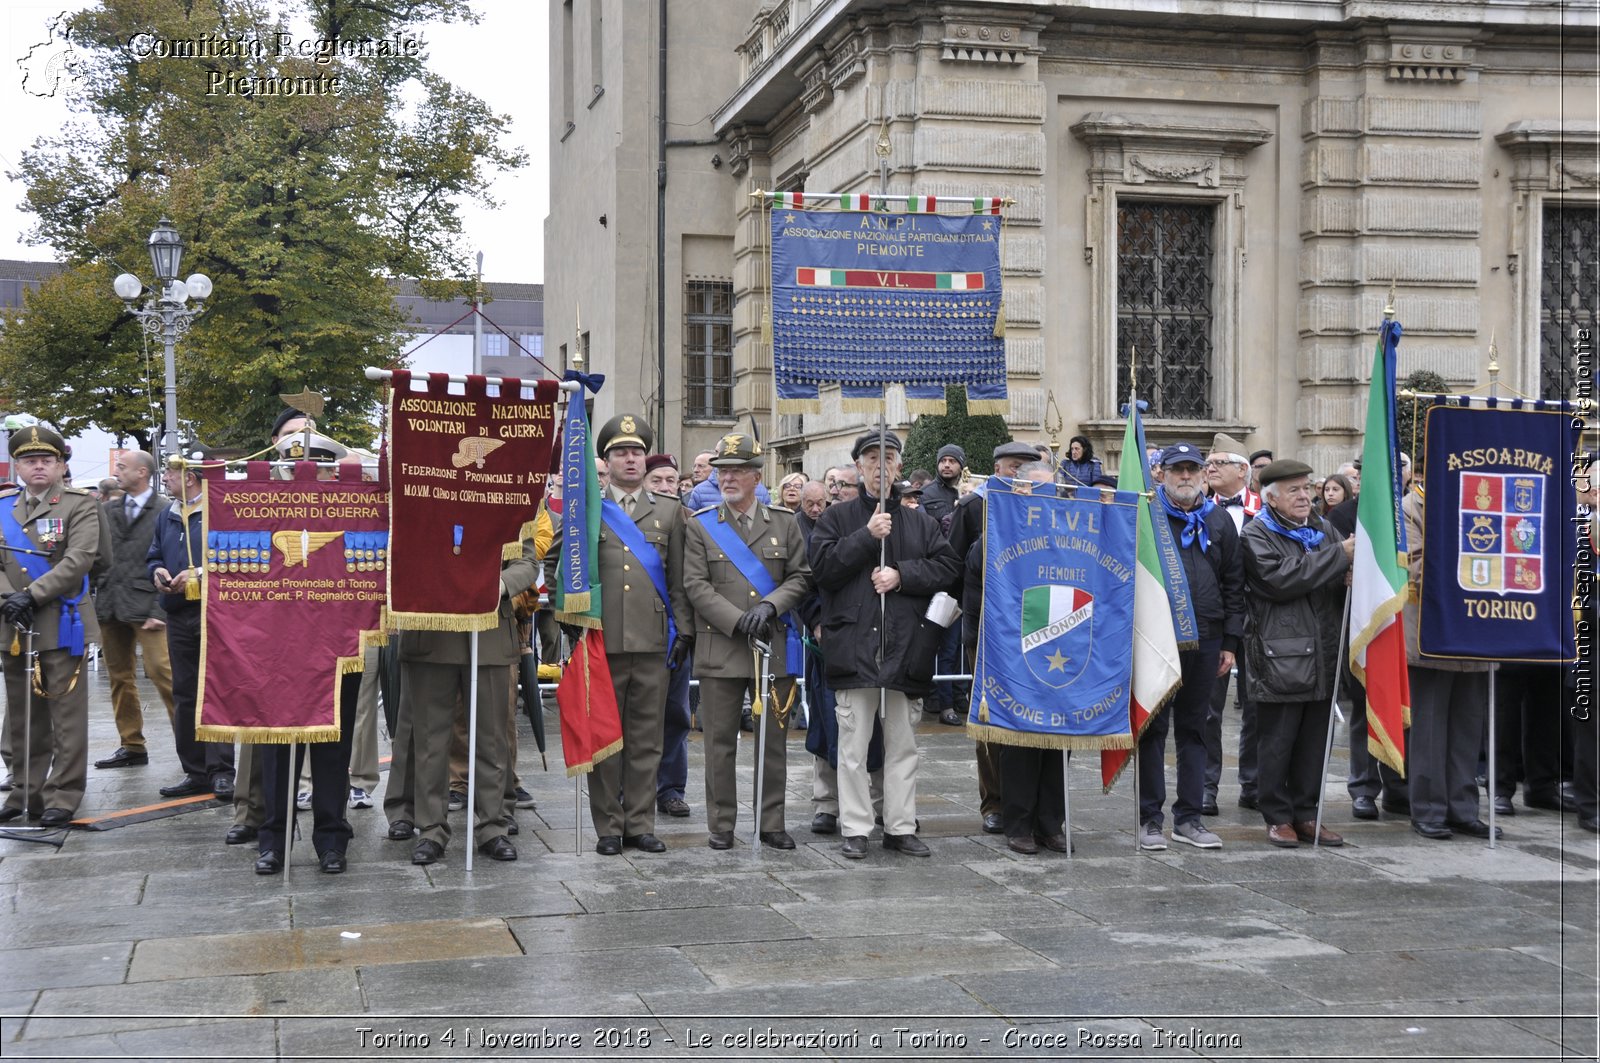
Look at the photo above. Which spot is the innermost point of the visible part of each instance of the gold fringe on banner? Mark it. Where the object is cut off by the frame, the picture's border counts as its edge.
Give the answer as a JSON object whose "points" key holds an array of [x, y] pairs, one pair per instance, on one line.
{"points": [[1002, 736], [444, 621], [860, 405], [266, 736], [1000, 320], [937, 407], [985, 406], [576, 612], [800, 405], [588, 766]]}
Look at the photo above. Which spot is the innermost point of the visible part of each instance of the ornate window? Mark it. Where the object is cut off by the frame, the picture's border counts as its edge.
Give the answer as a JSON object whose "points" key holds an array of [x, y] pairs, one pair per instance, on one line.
{"points": [[1166, 263], [708, 349], [1569, 277]]}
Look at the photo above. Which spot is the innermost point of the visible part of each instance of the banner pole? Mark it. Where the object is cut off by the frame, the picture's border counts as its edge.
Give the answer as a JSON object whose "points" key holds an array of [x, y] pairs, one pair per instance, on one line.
{"points": [[1138, 822], [1066, 798], [883, 555], [1333, 714], [374, 373], [291, 780], [1493, 668], [472, 752], [763, 690]]}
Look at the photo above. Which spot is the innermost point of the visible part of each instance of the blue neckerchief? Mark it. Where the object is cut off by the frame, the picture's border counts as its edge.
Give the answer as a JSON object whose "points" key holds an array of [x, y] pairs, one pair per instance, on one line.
{"points": [[1308, 537], [69, 631], [755, 573], [1194, 520], [623, 527]]}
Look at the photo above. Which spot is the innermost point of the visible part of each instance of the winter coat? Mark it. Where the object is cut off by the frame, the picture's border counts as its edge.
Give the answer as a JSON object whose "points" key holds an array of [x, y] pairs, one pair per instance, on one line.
{"points": [[1296, 606], [126, 592], [843, 555], [1215, 577]]}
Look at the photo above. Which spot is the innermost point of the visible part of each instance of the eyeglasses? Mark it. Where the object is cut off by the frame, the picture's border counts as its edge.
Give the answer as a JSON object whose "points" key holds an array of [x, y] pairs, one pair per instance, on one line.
{"points": [[1217, 463]]}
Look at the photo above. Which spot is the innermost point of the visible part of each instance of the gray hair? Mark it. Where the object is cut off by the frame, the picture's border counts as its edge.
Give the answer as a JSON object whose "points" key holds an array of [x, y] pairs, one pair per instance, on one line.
{"points": [[1037, 466]]}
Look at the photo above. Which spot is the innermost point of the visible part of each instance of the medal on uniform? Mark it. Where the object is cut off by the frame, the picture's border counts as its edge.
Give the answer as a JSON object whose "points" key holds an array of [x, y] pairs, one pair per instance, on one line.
{"points": [[350, 552], [51, 530], [211, 551], [456, 530]]}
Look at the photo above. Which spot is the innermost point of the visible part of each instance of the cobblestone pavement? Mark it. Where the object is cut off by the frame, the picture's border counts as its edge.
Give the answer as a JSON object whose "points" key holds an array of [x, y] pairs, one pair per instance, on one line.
{"points": [[156, 941]]}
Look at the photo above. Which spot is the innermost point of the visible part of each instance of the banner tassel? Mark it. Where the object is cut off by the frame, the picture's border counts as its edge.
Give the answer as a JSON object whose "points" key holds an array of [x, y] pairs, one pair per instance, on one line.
{"points": [[1000, 321]]}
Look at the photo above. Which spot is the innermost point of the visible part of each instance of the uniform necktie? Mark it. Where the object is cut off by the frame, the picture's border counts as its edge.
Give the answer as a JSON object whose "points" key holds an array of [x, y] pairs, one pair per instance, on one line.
{"points": [[744, 524]]}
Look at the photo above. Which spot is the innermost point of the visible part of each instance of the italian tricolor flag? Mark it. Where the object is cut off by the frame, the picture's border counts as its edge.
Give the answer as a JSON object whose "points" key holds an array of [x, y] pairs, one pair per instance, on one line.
{"points": [[794, 200], [1378, 585], [1157, 672], [855, 201], [922, 204], [986, 205]]}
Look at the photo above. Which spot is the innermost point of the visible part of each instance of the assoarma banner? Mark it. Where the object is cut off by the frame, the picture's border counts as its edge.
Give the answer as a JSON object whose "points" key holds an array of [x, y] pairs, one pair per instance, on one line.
{"points": [[293, 594], [1497, 535], [868, 300], [1055, 638], [467, 470]]}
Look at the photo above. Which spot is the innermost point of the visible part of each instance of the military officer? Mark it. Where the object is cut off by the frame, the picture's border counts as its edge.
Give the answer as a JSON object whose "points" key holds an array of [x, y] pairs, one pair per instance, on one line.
{"points": [[645, 615], [745, 570], [59, 538]]}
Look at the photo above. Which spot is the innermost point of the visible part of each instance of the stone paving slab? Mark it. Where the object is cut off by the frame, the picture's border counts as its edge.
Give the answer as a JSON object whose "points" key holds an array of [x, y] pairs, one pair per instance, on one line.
{"points": [[646, 929], [1420, 975], [1381, 930], [128, 923], [1143, 939], [151, 1005], [906, 877], [860, 959], [1196, 902], [1043, 874], [288, 950], [635, 892], [501, 900], [45, 897], [233, 1038], [1176, 987], [867, 918], [1333, 897], [819, 998], [52, 966], [17, 1002]]}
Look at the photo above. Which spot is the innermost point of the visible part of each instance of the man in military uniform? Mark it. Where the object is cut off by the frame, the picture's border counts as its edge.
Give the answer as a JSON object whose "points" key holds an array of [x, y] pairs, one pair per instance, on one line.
{"points": [[647, 626], [726, 546], [64, 533]]}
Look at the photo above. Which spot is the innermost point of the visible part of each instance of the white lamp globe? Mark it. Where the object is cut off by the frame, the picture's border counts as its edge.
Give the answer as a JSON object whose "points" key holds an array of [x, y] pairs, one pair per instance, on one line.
{"points": [[127, 286]]}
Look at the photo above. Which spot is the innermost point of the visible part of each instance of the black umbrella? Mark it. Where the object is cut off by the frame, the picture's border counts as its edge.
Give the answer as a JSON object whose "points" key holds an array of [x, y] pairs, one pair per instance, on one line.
{"points": [[532, 699]]}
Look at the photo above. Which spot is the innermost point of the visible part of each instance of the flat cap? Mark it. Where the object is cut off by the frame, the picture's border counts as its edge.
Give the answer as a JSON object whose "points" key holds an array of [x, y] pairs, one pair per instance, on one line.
{"points": [[1284, 469], [867, 440], [1016, 449]]}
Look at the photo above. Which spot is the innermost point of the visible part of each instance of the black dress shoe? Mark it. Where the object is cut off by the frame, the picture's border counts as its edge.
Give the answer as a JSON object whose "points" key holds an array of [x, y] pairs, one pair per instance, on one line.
{"points": [[855, 848], [222, 787], [1437, 831], [645, 843], [1399, 806], [952, 718], [55, 817], [673, 806], [909, 844], [1503, 806], [240, 833], [721, 839], [1477, 828], [1208, 807], [124, 758], [1364, 808], [331, 862], [9, 813], [499, 849], [1248, 801], [824, 823], [191, 785], [402, 830], [747, 723], [608, 845], [1024, 845], [427, 851], [1553, 802], [269, 863], [992, 824], [777, 839], [512, 830]]}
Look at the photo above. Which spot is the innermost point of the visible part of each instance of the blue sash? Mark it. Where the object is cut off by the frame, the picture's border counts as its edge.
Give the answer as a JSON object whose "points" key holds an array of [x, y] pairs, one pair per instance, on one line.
{"points": [[69, 634], [756, 574], [623, 527]]}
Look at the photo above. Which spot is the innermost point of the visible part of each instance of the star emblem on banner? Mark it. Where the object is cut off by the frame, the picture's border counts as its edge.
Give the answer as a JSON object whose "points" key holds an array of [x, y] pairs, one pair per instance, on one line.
{"points": [[987, 225], [789, 218], [1058, 663]]}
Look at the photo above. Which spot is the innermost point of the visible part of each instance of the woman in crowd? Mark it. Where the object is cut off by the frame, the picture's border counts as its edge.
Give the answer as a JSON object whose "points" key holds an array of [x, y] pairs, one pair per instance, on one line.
{"points": [[1080, 466], [789, 490], [1339, 503]]}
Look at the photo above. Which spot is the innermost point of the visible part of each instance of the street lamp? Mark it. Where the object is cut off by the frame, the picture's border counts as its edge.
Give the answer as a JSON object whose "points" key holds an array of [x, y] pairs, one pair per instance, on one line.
{"points": [[165, 314]]}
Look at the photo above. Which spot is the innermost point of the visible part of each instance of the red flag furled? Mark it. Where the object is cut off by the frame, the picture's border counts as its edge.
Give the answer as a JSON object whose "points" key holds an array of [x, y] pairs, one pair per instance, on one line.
{"points": [[467, 470], [293, 592], [591, 727]]}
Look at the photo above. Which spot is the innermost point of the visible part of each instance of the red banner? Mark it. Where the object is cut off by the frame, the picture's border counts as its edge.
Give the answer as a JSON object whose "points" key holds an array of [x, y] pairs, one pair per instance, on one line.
{"points": [[467, 471], [293, 592]]}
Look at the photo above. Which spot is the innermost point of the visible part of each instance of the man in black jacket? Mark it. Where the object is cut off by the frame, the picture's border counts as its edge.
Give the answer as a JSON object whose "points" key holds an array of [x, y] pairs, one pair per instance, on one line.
{"points": [[1209, 547], [859, 550]]}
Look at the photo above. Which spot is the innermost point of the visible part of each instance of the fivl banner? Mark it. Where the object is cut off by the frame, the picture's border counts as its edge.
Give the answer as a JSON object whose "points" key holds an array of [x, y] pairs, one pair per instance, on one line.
{"points": [[467, 471], [865, 300], [1497, 560], [293, 593], [1055, 637]]}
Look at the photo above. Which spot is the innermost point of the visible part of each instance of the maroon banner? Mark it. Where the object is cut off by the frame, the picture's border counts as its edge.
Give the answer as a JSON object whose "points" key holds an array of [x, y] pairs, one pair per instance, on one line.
{"points": [[293, 592], [467, 471]]}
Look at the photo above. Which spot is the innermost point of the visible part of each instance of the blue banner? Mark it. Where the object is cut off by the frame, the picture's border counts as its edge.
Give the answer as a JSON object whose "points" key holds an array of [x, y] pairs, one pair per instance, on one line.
{"points": [[865, 300], [1499, 537], [1055, 637]]}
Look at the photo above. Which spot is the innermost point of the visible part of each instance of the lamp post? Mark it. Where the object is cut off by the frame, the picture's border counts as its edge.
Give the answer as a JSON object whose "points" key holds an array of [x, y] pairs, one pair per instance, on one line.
{"points": [[165, 313]]}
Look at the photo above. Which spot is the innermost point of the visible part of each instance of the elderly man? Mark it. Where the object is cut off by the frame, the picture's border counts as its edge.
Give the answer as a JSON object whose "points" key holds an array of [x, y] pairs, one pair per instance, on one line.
{"points": [[965, 527], [1228, 480], [862, 550], [58, 539], [744, 572], [1296, 567], [130, 617]]}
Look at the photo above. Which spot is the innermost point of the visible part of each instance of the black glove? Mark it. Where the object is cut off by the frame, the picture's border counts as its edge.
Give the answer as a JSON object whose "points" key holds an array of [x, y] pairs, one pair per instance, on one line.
{"points": [[682, 646], [17, 608], [574, 633], [757, 621]]}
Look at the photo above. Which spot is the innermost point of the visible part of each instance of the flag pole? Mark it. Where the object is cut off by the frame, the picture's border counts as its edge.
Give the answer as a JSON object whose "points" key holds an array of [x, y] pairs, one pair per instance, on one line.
{"points": [[292, 777], [762, 707], [472, 750], [1333, 715], [1494, 392], [884, 147], [1133, 727]]}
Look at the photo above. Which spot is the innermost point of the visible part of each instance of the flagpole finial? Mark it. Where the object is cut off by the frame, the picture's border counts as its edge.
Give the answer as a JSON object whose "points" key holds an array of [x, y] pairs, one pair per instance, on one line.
{"points": [[1494, 366], [1388, 307], [577, 339], [1133, 370]]}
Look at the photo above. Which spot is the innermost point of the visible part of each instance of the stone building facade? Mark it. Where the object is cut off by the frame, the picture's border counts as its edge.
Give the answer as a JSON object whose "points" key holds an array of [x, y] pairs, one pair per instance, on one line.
{"points": [[1229, 189]]}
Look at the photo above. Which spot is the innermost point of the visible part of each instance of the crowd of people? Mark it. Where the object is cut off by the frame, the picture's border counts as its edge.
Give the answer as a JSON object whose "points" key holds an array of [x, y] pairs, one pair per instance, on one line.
{"points": [[819, 586]]}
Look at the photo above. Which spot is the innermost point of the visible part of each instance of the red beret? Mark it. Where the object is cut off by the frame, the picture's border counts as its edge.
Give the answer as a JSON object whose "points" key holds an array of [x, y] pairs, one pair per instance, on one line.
{"points": [[655, 461]]}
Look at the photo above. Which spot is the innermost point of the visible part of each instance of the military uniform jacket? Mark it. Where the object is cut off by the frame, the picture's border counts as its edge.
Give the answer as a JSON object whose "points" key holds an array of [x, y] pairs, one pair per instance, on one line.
{"points": [[720, 595], [84, 549], [498, 646], [634, 615]]}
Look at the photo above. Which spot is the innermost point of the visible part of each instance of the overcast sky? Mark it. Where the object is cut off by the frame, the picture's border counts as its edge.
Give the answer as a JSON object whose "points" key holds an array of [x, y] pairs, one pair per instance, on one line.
{"points": [[502, 60]]}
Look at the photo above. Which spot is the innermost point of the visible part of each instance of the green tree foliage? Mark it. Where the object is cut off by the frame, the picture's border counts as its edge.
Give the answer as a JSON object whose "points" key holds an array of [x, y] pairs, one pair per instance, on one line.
{"points": [[301, 208], [1410, 415], [976, 435]]}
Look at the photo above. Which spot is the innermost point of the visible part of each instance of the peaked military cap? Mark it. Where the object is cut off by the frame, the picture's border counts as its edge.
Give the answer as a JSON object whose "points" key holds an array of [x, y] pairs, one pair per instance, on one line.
{"points": [[36, 440], [624, 430]]}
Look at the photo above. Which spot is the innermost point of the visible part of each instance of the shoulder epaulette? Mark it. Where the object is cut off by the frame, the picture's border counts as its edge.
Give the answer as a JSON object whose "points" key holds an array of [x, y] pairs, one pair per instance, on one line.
{"points": [[780, 509], [75, 490], [708, 509]]}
